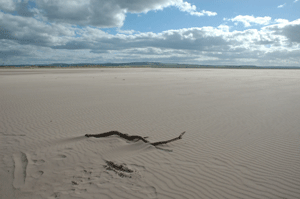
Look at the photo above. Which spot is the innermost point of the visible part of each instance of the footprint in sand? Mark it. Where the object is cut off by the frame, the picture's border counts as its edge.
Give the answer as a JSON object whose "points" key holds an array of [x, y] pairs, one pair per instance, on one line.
{"points": [[123, 170], [60, 157], [150, 192], [55, 195], [38, 162], [20, 163], [37, 174], [85, 180]]}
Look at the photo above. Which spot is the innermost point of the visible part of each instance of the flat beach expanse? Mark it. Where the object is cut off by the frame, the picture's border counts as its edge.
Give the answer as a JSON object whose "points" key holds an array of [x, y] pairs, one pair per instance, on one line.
{"points": [[242, 135]]}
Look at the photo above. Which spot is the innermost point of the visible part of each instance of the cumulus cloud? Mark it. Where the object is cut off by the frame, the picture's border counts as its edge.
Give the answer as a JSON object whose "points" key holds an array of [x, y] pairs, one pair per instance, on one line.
{"points": [[100, 13], [289, 30], [187, 7], [206, 38], [248, 20], [281, 21], [31, 37], [7, 5], [20, 7], [103, 13], [47, 34], [31, 31]]}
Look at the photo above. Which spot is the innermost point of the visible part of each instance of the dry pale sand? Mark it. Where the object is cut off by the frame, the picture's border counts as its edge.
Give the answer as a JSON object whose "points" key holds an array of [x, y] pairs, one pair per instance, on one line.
{"points": [[241, 141]]}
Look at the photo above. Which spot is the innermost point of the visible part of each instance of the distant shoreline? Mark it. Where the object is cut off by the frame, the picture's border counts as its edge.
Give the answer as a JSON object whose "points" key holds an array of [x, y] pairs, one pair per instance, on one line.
{"points": [[181, 66]]}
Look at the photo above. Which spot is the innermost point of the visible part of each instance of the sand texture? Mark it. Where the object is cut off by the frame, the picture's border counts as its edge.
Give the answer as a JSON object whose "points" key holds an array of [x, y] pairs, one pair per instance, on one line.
{"points": [[241, 141]]}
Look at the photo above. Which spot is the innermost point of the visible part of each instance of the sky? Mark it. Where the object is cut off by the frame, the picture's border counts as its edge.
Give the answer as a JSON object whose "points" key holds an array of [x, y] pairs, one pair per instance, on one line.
{"points": [[204, 32]]}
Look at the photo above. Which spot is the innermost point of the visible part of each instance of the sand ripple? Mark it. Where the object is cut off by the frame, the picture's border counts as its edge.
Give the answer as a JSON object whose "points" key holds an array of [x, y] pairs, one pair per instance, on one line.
{"points": [[241, 141]]}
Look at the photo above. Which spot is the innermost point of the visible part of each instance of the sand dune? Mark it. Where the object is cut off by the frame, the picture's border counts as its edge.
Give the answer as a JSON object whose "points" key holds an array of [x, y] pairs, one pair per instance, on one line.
{"points": [[242, 133]]}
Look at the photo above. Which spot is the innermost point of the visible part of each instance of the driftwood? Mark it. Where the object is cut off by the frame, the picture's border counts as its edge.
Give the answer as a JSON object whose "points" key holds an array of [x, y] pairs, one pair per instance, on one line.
{"points": [[133, 137]]}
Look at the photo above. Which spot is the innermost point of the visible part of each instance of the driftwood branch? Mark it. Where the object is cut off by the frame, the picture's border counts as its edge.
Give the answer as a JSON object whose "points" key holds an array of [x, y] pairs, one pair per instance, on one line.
{"points": [[133, 137], [168, 141]]}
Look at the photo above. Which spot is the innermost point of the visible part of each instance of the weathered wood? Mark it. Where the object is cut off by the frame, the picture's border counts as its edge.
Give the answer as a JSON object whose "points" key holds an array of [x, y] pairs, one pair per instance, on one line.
{"points": [[133, 137], [168, 141]]}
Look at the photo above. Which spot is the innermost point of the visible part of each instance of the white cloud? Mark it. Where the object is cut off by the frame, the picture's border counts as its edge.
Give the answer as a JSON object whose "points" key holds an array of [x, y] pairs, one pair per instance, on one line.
{"points": [[290, 30], [27, 39], [48, 35], [224, 28], [296, 1], [128, 32], [281, 6], [7, 5], [281, 21], [103, 13], [248, 20], [29, 31], [203, 12], [187, 7]]}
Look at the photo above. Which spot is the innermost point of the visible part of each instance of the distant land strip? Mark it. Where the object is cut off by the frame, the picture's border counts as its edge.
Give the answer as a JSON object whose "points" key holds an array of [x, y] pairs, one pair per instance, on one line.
{"points": [[143, 65]]}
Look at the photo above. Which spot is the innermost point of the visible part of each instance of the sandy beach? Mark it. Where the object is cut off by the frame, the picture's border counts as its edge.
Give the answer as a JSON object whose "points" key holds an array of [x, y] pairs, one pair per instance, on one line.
{"points": [[242, 135]]}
